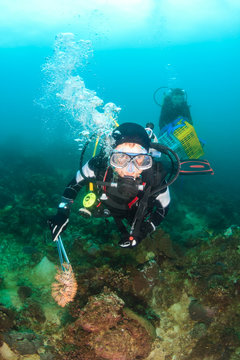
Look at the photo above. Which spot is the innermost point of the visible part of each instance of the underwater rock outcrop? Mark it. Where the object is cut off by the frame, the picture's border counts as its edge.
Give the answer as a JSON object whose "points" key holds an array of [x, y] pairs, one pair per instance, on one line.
{"points": [[108, 331], [101, 312], [6, 318], [127, 341], [23, 342]]}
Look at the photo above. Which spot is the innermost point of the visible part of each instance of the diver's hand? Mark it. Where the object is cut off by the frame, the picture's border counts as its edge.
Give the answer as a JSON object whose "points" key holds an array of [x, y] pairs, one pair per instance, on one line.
{"points": [[128, 241], [58, 223]]}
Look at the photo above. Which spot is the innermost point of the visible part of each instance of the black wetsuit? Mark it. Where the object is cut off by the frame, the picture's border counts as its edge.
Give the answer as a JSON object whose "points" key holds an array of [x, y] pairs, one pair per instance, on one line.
{"points": [[121, 206], [170, 112]]}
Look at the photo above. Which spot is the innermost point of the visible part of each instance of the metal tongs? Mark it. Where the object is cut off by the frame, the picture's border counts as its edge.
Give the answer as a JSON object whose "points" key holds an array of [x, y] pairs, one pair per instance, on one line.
{"points": [[62, 253]]}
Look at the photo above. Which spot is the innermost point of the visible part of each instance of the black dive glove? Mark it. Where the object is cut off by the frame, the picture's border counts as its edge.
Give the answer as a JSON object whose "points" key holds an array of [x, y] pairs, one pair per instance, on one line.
{"points": [[58, 223], [131, 241]]}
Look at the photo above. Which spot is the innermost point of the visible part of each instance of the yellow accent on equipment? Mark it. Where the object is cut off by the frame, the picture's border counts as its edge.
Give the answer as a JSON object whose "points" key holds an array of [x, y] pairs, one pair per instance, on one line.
{"points": [[89, 200], [115, 122], [95, 150], [95, 147], [188, 138]]}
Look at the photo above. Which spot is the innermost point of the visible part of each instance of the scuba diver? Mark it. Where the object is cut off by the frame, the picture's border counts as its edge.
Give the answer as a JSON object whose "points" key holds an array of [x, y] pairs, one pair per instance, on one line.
{"points": [[174, 105], [149, 129], [129, 184]]}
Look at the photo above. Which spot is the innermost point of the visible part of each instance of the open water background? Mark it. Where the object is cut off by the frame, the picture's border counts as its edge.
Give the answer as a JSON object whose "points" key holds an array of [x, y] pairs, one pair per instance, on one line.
{"points": [[126, 68]]}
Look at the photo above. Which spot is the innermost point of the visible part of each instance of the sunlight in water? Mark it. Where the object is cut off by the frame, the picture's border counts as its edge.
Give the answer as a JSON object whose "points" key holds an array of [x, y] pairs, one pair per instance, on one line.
{"points": [[109, 22]]}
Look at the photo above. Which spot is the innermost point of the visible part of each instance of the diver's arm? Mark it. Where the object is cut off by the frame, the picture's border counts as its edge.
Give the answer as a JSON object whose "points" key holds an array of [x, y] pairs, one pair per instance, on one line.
{"points": [[161, 205], [58, 223], [72, 189], [89, 171]]}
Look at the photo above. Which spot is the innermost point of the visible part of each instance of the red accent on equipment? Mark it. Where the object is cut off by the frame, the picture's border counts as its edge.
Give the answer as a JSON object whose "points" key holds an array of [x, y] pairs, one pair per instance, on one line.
{"points": [[135, 199], [132, 202], [197, 166], [104, 187]]}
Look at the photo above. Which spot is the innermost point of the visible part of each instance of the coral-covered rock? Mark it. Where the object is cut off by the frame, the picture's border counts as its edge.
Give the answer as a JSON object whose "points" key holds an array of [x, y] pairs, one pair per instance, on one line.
{"points": [[33, 311], [105, 331], [174, 330], [6, 318], [199, 330], [101, 312], [159, 244], [145, 278], [128, 341], [23, 342], [115, 279], [146, 324], [220, 298]]}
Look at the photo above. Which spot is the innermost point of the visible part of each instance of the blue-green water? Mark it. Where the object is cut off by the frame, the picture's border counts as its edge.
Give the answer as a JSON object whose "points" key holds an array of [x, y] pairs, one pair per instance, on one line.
{"points": [[191, 266], [208, 71]]}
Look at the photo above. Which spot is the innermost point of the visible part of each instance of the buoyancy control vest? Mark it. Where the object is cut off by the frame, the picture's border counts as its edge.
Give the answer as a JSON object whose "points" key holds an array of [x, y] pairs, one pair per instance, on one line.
{"points": [[123, 201]]}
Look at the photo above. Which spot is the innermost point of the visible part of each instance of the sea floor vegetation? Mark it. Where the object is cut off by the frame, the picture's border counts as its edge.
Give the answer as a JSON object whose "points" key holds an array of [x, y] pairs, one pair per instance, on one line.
{"points": [[175, 297]]}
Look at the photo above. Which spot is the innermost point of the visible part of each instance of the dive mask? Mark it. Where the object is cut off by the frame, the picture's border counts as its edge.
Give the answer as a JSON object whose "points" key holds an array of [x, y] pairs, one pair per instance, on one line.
{"points": [[120, 160]]}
